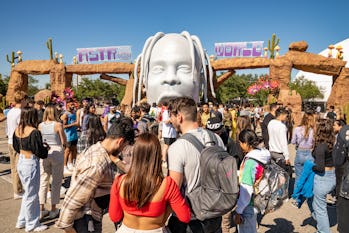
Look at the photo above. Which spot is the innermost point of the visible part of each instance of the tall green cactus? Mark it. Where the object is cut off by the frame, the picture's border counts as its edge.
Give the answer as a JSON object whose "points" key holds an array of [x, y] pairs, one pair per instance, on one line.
{"points": [[272, 44], [49, 47], [12, 61], [346, 111]]}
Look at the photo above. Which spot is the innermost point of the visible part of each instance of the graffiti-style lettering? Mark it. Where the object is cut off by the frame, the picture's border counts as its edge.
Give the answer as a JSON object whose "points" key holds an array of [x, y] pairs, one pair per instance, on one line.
{"points": [[239, 49], [104, 54]]}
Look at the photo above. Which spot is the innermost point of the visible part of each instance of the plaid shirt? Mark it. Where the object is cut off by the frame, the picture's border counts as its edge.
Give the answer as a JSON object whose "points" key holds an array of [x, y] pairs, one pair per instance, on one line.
{"points": [[93, 177]]}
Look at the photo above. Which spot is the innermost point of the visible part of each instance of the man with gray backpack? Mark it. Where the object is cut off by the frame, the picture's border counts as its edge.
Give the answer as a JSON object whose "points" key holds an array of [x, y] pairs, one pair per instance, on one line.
{"points": [[200, 165]]}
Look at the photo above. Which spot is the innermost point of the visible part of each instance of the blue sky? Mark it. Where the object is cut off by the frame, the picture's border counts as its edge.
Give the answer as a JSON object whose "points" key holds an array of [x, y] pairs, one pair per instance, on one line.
{"points": [[26, 25]]}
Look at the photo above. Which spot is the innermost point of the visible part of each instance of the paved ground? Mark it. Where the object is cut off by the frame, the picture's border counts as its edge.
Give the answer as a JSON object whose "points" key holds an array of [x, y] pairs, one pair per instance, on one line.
{"points": [[287, 219]]}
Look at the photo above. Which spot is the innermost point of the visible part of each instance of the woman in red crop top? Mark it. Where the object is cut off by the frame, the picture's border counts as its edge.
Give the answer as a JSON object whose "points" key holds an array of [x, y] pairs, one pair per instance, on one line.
{"points": [[143, 198]]}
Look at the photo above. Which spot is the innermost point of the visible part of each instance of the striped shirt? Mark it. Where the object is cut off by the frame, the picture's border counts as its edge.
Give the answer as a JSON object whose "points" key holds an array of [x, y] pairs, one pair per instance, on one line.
{"points": [[93, 177]]}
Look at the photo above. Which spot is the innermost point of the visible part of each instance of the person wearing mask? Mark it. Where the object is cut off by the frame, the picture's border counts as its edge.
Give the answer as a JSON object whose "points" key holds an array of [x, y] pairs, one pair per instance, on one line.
{"points": [[251, 171], [325, 178], [52, 134], [142, 197], [13, 118], [27, 142]]}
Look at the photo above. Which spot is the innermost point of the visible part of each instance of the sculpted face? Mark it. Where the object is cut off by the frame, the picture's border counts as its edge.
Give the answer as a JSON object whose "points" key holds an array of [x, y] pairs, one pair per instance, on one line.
{"points": [[170, 70]]}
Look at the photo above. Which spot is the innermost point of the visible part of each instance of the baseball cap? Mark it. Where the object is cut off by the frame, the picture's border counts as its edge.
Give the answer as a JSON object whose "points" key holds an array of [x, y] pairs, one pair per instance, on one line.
{"points": [[214, 124]]}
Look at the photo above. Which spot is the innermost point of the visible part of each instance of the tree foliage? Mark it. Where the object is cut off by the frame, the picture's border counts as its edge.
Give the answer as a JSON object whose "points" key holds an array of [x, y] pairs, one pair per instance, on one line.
{"points": [[3, 84], [98, 89], [235, 87], [32, 86], [307, 89]]}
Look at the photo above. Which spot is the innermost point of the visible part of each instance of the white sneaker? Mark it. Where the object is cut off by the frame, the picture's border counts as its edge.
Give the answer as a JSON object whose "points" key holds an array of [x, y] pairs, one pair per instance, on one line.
{"points": [[67, 172], [62, 192], [54, 214], [39, 228], [17, 196], [49, 195], [20, 226], [70, 166]]}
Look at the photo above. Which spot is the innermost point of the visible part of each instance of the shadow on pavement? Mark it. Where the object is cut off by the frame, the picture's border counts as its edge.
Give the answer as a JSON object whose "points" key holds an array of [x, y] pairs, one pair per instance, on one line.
{"points": [[281, 225]]}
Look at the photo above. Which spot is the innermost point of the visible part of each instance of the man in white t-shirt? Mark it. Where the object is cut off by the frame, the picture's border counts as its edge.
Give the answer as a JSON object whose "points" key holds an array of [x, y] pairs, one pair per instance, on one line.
{"points": [[277, 130], [184, 159], [13, 118]]}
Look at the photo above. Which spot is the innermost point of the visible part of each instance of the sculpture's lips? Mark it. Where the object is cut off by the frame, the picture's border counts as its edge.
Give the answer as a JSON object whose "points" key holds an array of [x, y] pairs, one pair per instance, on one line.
{"points": [[167, 96]]}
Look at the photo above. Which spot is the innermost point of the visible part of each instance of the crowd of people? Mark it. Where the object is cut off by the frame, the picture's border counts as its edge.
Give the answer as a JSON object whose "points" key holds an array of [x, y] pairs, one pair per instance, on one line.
{"points": [[132, 162]]}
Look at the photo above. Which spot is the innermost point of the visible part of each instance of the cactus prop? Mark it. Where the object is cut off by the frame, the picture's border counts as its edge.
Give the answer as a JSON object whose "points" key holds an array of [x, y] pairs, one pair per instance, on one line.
{"points": [[346, 111], [12, 60], [47, 100], [272, 44], [3, 103], [49, 47]]}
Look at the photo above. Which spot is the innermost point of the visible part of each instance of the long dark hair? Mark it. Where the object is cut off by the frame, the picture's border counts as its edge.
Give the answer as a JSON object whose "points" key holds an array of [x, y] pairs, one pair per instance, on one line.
{"points": [[325, 133], [145, 175], [29, 117], [249, 137], [95, 131]]}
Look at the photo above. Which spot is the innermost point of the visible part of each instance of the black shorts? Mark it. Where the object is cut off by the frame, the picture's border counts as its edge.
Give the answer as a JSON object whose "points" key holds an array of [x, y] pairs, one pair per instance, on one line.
{"points": [[169, 141], [72, 143]]}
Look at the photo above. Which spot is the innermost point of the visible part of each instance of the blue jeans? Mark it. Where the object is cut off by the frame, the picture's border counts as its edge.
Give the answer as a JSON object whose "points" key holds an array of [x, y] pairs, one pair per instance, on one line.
{"points": [[249, 224], [324, 183], [301, 157], [29, 173]]}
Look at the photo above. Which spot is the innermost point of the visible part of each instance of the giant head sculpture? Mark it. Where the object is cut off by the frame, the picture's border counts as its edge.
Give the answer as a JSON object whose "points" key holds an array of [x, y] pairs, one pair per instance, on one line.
{"points": [[172, 65]]}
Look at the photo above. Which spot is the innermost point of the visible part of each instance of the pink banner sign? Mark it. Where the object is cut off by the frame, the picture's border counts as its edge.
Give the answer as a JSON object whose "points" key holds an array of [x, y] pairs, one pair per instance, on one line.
{"points": [[113, 53], [239, 49]]}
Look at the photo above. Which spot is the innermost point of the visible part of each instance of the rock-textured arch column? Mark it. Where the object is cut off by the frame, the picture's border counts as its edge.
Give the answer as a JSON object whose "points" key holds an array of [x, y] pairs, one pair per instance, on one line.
{"points": [[280, 70], [59, 79], [339, 94], [18, 82]]}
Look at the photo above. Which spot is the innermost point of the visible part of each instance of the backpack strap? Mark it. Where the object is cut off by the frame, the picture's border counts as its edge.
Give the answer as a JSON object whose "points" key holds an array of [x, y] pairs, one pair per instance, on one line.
{"points": [[193, 140], [259, 162]]}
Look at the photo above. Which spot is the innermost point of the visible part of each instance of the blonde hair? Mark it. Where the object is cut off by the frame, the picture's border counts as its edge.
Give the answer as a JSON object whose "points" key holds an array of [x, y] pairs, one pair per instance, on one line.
{"points": [[19, 96], [50, 114]]}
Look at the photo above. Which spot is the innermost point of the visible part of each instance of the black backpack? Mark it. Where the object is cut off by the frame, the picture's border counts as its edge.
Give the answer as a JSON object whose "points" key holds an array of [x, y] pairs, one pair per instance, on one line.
{"points": [[218, 190]]}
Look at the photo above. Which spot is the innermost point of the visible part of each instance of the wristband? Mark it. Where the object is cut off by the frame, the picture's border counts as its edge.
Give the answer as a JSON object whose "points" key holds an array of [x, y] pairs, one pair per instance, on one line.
{"points": [[117, 160]]}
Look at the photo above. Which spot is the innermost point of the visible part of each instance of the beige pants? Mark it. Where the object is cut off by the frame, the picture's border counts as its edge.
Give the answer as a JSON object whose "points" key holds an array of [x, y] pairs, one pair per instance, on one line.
{"points": [[16, 182], [51, 166], [226, 222]]}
